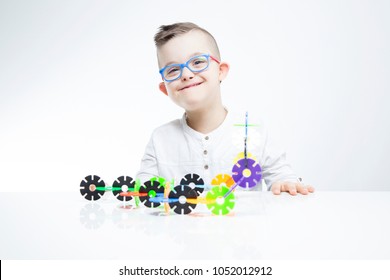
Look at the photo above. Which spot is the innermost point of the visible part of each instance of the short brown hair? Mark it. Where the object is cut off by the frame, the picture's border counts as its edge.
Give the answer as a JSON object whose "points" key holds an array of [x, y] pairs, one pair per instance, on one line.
{"points": [[168, 32]]}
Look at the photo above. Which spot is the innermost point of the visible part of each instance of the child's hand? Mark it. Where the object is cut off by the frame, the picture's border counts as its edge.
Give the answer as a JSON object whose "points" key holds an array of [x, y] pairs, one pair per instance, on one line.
{"points": [[292, 188]]}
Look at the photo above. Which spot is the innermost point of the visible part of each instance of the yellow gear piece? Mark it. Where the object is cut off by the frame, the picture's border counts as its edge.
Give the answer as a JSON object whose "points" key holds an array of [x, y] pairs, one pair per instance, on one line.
{"points": [[167, 189], [222, 180], [241, 156]]}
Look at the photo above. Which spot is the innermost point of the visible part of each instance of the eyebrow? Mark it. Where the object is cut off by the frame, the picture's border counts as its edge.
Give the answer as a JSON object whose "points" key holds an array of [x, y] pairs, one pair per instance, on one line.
{"points": [[192, 55]]}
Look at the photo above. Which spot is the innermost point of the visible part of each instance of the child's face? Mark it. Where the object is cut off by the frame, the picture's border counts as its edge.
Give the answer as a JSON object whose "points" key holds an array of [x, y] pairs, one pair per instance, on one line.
{"points": [[192, 91]]}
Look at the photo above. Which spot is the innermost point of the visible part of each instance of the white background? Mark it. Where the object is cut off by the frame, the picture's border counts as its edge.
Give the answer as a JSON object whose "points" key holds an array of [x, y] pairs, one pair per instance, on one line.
{"points": [[79, 95]]}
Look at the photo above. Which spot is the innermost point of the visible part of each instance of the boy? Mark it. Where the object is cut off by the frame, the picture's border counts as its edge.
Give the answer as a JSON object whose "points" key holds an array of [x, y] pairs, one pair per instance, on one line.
{"points": [[201, 142]]}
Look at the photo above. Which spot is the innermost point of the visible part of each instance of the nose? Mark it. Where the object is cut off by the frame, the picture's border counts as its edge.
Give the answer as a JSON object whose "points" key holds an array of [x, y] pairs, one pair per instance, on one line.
{"points": [[187, 74]]}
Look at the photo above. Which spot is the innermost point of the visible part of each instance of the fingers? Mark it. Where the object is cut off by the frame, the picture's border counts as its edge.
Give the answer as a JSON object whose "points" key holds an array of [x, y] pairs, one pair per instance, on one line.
{"points": [[279, 187], [310, 188], [276, 188], [291, 188], [302, 189]]}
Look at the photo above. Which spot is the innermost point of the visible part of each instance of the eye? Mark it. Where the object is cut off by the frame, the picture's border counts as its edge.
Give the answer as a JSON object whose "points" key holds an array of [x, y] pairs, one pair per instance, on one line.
{"points": [[171, 71], [199, 62]]}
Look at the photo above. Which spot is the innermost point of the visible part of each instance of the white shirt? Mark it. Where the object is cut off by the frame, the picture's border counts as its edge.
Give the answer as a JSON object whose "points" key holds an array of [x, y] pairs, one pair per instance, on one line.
{"points": [[175, 149]]}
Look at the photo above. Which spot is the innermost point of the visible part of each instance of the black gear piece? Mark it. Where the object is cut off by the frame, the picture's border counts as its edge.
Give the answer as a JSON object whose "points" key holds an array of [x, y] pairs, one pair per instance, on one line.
{"points": [[119, 183], [152, 188], [85, 190], [196, 180], [179, 207]]}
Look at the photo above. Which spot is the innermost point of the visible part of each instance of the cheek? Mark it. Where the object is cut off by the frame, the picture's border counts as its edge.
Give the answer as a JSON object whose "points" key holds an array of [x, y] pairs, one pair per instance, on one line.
{"points": [[214, 75], [214, 79], [171, 87]]}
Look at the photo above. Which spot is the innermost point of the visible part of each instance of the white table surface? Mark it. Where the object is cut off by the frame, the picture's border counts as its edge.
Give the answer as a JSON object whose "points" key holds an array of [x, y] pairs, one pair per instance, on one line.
{"points": [[323, 225]]}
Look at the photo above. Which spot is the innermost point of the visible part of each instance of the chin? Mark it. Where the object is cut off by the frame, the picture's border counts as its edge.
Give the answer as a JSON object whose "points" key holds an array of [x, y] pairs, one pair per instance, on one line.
{"points": [[193, 103]]}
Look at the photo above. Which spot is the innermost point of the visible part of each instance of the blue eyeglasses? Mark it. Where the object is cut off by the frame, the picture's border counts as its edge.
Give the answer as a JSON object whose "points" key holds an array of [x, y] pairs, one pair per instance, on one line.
{"points": [[196, 64]]}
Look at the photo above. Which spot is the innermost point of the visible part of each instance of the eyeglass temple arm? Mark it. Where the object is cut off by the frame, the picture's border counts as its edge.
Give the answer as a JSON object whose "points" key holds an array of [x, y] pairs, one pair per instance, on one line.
{"points": [[216, 60]]}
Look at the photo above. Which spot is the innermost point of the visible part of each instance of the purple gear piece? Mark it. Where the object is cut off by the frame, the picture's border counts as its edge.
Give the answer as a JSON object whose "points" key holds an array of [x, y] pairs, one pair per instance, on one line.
{"points": [[255, 173]]}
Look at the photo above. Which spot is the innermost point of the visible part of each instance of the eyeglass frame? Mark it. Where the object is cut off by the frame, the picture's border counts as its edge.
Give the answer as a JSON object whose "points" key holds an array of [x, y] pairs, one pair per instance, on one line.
{"points": [[182, 65]]}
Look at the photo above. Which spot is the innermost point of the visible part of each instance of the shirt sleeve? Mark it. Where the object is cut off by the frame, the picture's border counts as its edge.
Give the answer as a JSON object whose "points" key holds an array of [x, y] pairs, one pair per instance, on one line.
{"points": [[148, 168], [274, 164]]}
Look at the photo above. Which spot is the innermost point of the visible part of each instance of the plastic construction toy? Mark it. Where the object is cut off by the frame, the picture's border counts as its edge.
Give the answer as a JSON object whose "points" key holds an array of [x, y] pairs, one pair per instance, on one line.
{"points": [[185, 196]]}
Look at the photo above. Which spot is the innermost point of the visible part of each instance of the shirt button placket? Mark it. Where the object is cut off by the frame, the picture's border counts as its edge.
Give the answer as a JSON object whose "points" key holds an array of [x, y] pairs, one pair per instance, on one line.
{"points": [[205, 153]]}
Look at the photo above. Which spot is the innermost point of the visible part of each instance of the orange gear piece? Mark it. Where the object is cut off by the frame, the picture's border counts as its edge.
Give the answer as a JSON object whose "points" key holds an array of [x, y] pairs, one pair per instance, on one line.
{"points": [[223, 180]]}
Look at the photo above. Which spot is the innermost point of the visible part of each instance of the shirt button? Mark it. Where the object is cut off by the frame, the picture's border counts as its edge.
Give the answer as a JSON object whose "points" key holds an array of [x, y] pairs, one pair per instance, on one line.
{"points": [[205, 152], [206, 167], [207, 138]]}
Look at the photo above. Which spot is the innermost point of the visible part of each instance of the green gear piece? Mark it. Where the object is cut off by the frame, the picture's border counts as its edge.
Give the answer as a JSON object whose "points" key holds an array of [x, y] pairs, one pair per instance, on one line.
{"points": [[136, 189], [217, 193], [162, 181]]}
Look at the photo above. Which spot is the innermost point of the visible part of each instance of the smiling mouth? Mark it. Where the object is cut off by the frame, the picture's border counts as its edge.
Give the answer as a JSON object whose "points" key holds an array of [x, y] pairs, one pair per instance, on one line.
{"points": [[193, 85]]}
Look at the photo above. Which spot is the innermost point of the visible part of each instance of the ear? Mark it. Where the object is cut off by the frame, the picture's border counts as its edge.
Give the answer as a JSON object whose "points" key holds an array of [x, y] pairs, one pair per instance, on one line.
{"points": [[223, 70], [162, 87]]}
